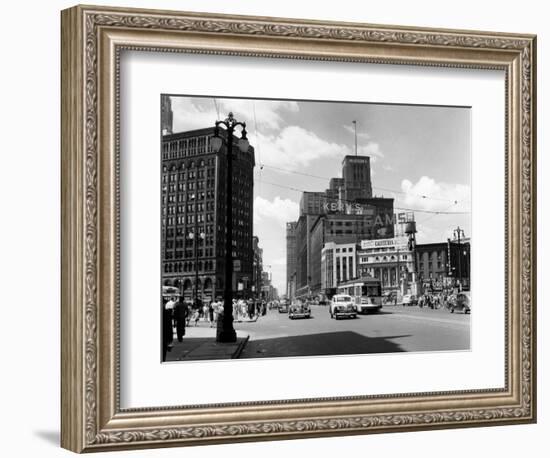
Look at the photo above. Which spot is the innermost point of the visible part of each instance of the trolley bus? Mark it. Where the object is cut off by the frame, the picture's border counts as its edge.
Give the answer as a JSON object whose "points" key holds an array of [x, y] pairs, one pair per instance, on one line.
{"points": [[366, 293]]}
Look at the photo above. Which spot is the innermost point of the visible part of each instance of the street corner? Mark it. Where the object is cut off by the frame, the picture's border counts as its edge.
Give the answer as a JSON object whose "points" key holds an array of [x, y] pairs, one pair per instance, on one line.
{"points": [[199, 343]]}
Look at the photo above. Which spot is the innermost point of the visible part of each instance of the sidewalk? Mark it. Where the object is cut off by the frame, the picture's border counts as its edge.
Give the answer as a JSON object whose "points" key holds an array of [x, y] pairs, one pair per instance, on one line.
{"points": [[199, 343]]}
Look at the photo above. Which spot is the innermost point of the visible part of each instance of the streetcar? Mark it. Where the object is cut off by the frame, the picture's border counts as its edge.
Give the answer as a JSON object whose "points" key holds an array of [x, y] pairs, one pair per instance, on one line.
{"points": [[366, 293]]}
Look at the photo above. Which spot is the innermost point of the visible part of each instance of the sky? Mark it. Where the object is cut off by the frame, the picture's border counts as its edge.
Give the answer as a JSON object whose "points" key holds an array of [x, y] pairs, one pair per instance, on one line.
{"points": [[420, 156]]}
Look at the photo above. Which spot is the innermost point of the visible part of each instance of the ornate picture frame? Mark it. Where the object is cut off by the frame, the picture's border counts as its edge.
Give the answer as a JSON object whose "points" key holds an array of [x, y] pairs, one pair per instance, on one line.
{"points": [[92, 39]]}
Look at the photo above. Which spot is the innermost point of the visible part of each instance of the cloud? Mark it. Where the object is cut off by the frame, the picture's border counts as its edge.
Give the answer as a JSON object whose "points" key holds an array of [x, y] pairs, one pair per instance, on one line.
{"points": [[199, 112], [278, 211], [428, 194], [360, 135], [269, 113], [295, 147], [371, 149]]}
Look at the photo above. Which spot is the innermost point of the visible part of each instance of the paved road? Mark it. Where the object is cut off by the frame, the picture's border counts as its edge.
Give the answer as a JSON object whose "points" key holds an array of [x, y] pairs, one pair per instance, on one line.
{"points": [[393, 329]]}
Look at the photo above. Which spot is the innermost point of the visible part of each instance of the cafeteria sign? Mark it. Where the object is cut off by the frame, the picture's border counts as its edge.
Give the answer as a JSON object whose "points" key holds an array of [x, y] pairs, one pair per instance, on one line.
{"points": [[400, 243]]}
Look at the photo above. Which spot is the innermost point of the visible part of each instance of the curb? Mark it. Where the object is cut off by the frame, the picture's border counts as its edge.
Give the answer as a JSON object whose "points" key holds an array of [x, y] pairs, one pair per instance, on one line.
{"points": [[240, 348]]}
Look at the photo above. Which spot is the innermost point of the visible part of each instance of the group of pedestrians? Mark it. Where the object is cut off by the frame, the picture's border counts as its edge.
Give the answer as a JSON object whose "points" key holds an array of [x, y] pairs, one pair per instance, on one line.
{"points": [[179, 314], [248, 309]]}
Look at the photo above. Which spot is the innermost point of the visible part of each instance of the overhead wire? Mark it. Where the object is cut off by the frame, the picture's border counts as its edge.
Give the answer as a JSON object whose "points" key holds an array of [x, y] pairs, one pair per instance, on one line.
{"points": [[423, 196], [416, 210]]}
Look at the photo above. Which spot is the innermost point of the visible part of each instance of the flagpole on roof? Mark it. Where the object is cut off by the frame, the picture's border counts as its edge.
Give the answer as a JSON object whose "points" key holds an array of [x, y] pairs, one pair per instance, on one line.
{"points": [[355, 129]]}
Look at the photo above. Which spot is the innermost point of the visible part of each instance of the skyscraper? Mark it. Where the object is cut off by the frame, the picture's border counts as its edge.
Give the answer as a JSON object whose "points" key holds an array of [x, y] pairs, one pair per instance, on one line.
{"points": [[193, 214], [290, 254], [357, 180], [166, 115]]}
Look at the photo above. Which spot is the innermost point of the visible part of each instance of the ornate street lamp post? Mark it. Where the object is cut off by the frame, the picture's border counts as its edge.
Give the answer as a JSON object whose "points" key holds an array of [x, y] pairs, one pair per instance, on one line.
{"points": [[228, 332], [457, 233]]}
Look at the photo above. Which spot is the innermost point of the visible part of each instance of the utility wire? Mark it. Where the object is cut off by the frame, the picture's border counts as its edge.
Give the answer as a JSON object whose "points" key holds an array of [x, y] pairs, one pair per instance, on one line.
{"points": [[374, 187], [433, 212], [258, 148], [216, 106]]}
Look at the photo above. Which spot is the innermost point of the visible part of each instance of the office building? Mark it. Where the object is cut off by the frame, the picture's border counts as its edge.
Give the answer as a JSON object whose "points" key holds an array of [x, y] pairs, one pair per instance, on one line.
{"points": [[194, 219]]}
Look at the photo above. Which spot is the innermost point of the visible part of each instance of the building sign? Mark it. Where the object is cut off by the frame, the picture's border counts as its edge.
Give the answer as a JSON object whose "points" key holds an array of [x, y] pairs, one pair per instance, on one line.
{"points": [[398, 243], [354, 208]]}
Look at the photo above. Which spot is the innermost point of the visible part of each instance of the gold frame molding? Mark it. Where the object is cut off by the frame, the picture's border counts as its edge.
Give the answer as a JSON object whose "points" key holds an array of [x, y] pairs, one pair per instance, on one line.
{"points": [[92, 39]]}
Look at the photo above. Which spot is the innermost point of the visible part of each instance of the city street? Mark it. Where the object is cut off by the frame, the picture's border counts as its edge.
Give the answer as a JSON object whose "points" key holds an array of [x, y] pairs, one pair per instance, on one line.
{"points": [[393, 329]]}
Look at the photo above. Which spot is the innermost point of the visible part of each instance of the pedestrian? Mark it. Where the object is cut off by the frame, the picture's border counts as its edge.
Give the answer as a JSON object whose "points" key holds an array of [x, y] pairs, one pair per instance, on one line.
{"points": [[196, 316], [181, 311], [189, 312], [211, 313], [216, 310], [205, 312], [167, 331]]}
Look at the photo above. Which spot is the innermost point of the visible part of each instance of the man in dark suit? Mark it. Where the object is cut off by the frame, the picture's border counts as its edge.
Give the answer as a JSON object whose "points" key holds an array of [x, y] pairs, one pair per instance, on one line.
{"points": [[181, 310]]}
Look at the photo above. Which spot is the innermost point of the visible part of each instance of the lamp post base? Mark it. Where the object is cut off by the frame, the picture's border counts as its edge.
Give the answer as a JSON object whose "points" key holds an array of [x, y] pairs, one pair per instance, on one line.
{"points": [[226, 336]]}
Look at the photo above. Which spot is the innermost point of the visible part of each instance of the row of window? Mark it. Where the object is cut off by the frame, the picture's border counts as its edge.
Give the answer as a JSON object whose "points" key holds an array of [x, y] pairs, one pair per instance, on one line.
{"points": [[190, 208], [172, 198], [189, 254], [186, 147], [367, 259], [189, 186], [190, 175], [189, 266], [188, 242], [189, 219]]}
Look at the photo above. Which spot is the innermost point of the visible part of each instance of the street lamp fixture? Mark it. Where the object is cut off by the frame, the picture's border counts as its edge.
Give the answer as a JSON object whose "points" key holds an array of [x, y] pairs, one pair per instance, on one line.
{"points": [[228, 333]]}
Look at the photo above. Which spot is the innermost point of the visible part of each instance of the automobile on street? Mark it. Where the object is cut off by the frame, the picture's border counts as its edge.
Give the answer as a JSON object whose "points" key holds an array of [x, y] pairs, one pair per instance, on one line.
{"points": [[299, 310], [461, 303], [342, 306]]}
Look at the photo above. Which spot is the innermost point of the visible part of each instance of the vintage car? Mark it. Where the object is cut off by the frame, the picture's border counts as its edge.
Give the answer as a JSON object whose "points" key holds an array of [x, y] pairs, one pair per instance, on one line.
{"points": [[342, 305], [461, 303], [299, 310], [283, 307]]}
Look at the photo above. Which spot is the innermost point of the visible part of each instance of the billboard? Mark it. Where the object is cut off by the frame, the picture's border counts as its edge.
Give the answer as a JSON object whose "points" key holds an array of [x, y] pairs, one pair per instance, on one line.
{"points": [[397, 243]]}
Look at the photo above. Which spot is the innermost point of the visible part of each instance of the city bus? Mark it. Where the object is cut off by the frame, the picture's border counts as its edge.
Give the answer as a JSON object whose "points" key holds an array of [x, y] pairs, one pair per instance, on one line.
{"points": [[366, 293]]}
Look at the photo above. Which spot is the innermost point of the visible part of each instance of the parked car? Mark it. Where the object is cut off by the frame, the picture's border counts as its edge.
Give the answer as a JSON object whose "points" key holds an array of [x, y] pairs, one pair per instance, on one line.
{"points": [[299, 310], [283, 307], [462, 303], [410, 299], [342, 305]]}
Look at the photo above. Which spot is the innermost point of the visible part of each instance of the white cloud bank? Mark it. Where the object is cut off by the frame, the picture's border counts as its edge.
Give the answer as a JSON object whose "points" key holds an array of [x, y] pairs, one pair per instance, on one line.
{"points": [[428, 194], [278, 211], [196, 113], [295, 147]]}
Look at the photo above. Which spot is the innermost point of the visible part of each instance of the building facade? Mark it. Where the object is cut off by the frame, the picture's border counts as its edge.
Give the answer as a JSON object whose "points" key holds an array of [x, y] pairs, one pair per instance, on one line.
{"points": [[166, 115], [290, 257], [346, 212], [257, 267], [444, 265], [338, 264], [193, 219], [312, 203], [391, 261], [356, 177]]}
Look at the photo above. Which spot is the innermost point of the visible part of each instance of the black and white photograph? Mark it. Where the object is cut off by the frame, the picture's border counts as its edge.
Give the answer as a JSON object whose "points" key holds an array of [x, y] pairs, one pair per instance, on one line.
{"points": [[349, 230]]}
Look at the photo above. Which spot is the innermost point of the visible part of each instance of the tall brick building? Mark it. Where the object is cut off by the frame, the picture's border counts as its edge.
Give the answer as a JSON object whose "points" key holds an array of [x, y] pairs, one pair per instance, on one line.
{"points": [[193, 221]]}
